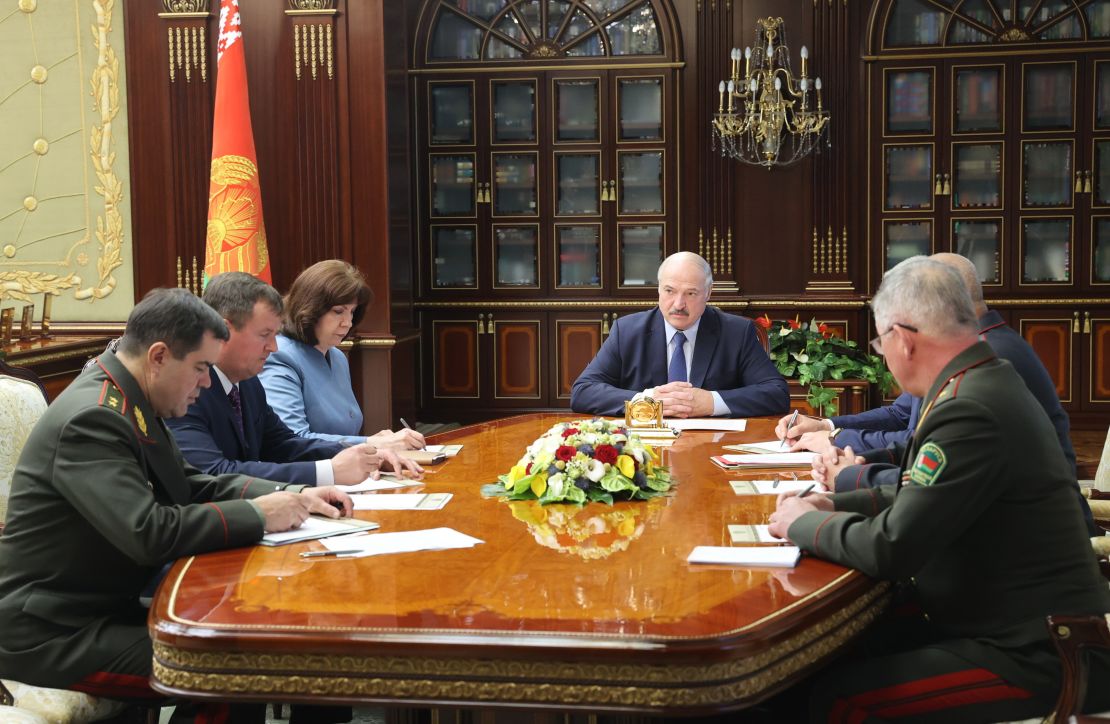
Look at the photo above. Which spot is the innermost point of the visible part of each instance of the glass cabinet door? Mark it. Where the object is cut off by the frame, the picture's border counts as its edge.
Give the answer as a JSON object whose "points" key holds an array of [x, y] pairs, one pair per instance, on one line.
{"points": [[978, 107], [909, 101], [1046, 251], [636, 33], [455, 38], [1048, 98], [1046, 174], [579, 254], [640, 109], [903, 239], [577, 183], [977, 175], [516, 255], [577, 104], [452, 113], [1100, 243], [1101, 187], [980, 240], [454, 254], [1102, 93], [640, 182], [514, 111], [452, 184], [641, 252], [914, 22], [908, 177], [514, 184]]}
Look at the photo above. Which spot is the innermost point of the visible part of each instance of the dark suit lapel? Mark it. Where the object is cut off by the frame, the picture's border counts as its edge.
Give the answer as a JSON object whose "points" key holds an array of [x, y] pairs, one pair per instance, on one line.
{"points": [[709, 335], [656, 348], [161, 465], [225, 413]]}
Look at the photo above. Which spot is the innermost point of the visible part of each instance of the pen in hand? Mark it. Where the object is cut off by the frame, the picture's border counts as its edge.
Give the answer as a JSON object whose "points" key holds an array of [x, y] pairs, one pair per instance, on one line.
{"points": [[407, 426], [786, 432], [807, 490]]}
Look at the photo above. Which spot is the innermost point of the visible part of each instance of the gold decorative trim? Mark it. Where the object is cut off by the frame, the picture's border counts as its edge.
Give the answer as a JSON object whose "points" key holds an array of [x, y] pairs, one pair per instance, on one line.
{"points": [[62, 329], [990, 51], [647, 686], [328, 47], [637, 305], [1058, 302], [185, 7], [183, 16], [35, 359], [494, 68], [311, 5], [311, 12]]}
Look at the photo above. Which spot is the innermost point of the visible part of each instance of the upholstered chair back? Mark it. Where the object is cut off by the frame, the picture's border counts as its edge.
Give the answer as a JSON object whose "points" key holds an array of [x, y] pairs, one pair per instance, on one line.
{"points": [[22, 402]]}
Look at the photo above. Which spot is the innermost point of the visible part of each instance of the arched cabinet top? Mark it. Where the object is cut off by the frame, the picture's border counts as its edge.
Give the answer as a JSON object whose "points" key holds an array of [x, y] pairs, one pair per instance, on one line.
{"points": [[989, 26], [574, 32]]}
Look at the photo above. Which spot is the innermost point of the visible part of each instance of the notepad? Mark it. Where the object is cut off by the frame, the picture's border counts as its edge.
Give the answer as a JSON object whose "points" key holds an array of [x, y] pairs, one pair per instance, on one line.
{"points": [[434, 539], [772, 487], [722, 424], [317, 526], [423, 457], [402, 501], [752, 534], [448, 450], [772, 556]]}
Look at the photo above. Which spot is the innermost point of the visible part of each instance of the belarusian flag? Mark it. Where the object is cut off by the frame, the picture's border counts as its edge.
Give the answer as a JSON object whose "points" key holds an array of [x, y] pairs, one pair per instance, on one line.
{"points": [[236, 234]]}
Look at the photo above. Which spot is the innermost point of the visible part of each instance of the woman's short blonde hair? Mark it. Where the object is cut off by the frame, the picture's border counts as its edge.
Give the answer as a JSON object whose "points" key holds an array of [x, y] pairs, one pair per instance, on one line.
{"points": [[317, 289]]}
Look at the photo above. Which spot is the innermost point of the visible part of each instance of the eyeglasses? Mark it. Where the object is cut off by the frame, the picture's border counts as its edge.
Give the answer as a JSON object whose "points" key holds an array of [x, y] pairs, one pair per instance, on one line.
{"points": [[877, 343]]}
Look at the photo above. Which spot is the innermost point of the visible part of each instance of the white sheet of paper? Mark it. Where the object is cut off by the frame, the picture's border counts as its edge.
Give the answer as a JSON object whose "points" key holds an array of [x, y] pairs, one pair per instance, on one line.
{"points": [[724, 424], [369, 486], [401, 501], [772, 487], [448, 450], [771, 459], [752, 534], [434, 539], [775, 556], [773, 446], [313, 525]]}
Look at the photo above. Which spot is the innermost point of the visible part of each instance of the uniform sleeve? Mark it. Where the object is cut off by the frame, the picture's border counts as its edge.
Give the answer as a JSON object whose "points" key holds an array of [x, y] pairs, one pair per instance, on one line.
{"points": [[953, 479], [107, 484]]}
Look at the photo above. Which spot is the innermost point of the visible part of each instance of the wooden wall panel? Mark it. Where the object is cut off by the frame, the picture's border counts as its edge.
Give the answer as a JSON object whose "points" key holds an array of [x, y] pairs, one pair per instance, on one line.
{"points": [[577, 342], [518, 353], [456, 370], [1051, 339]]}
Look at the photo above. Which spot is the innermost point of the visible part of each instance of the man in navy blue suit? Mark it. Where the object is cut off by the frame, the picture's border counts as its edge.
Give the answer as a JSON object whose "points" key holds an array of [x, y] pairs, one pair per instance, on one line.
{"points": [[699, 361], [231, 428]]}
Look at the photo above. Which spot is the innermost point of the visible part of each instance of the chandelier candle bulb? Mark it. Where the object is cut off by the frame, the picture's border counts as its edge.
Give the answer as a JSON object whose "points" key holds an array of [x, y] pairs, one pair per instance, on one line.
{"points": [[747, 62], [731, 90], [805, 58], [721, 88]]}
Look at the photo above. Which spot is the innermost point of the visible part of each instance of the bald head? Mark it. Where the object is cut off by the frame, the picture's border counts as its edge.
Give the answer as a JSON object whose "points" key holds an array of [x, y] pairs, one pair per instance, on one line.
{"points": [[686, 262], [969, 275]]}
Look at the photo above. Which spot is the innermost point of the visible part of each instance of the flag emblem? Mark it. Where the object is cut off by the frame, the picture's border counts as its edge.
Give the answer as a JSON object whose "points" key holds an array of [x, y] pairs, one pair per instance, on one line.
{"points": [[929, 464]]}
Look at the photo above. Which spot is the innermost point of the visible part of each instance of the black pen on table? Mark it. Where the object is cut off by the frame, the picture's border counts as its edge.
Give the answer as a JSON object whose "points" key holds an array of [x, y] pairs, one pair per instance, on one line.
{"points": [[325, 554], [407, 426], [793, 419], [807, 490]]}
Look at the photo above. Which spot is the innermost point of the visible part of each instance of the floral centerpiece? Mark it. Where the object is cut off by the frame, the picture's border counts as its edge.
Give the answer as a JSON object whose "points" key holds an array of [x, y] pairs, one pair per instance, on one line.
{"points": [[811, 353], [594, 460]]}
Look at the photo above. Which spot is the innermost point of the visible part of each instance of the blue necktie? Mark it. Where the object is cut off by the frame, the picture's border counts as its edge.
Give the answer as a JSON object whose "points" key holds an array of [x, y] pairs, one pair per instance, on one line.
{"points": [[237, 410], [677, 370]]}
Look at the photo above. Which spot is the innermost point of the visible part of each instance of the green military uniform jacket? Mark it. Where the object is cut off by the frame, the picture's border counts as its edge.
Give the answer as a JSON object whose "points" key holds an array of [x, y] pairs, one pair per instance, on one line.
{"points": [[101, 499], [984, 524]]}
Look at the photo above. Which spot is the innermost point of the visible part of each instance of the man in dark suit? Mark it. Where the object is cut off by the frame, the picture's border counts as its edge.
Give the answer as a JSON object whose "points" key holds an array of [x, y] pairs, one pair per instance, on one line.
{"points": [[697, 360], [983, 532], [101, 499], [231, 428]]}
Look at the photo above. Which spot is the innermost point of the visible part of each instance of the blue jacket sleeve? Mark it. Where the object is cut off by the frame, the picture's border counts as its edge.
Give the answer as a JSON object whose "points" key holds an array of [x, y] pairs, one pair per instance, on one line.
{"points": [[893, 417], [285, 392], [595, 392], [761, 388]]}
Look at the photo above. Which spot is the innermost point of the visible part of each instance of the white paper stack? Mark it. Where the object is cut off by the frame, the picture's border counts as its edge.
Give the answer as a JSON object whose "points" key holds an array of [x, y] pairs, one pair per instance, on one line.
{"points": [[723, 424], [386, 482], [434, 539], [401, 501], [772, 556], [769, 460], [773, 487], [752, 534]]}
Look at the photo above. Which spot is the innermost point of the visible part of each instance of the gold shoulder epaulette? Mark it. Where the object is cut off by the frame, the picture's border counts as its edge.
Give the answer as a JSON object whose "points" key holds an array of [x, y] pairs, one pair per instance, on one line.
{"points": [[110, 396]]}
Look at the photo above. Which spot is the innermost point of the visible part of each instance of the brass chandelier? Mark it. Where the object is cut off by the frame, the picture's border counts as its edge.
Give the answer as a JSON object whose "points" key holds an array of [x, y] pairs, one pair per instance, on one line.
{"points": [[768, 120]]}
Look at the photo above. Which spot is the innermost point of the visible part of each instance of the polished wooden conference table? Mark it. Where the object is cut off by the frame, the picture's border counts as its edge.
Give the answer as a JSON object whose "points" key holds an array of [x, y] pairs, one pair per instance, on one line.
{"points": [[561, 608]]}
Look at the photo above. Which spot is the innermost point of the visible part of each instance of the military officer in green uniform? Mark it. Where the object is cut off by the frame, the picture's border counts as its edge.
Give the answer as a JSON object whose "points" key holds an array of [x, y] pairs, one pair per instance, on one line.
{"points": [[984, 531], [101, 499]]}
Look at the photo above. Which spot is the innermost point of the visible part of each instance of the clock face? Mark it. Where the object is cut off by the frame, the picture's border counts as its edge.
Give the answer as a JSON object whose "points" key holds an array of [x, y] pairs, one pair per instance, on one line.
{"points": [[643, 411]]}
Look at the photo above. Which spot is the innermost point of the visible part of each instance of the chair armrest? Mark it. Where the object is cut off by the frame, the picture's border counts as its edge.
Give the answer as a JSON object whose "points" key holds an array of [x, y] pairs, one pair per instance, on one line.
{"points": [[1071, 635]]}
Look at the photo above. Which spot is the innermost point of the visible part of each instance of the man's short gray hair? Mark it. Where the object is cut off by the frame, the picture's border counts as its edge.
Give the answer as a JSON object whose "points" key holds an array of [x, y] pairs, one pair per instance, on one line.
{"points": [[688, 257], [926, 294]]}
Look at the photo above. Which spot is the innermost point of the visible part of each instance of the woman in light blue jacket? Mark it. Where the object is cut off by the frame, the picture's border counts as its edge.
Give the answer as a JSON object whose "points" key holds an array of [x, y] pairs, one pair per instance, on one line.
{"points": [[308, 379]]}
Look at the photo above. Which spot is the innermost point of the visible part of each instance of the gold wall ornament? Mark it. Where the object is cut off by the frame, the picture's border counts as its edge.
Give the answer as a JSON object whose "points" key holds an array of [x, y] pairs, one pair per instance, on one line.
{"points": [[185, 6], [311, 4], [297, 50], [765, 108], [328, 48]]}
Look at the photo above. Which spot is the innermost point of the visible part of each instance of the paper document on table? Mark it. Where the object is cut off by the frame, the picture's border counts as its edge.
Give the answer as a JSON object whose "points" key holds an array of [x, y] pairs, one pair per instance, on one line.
{"points": [[775, 556], [402, 501], [724, 424], [770, 460], [773, 487], [383, 483], [434, 539], [752, 534], [773, 446], [317, 526], [448, 450]]}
